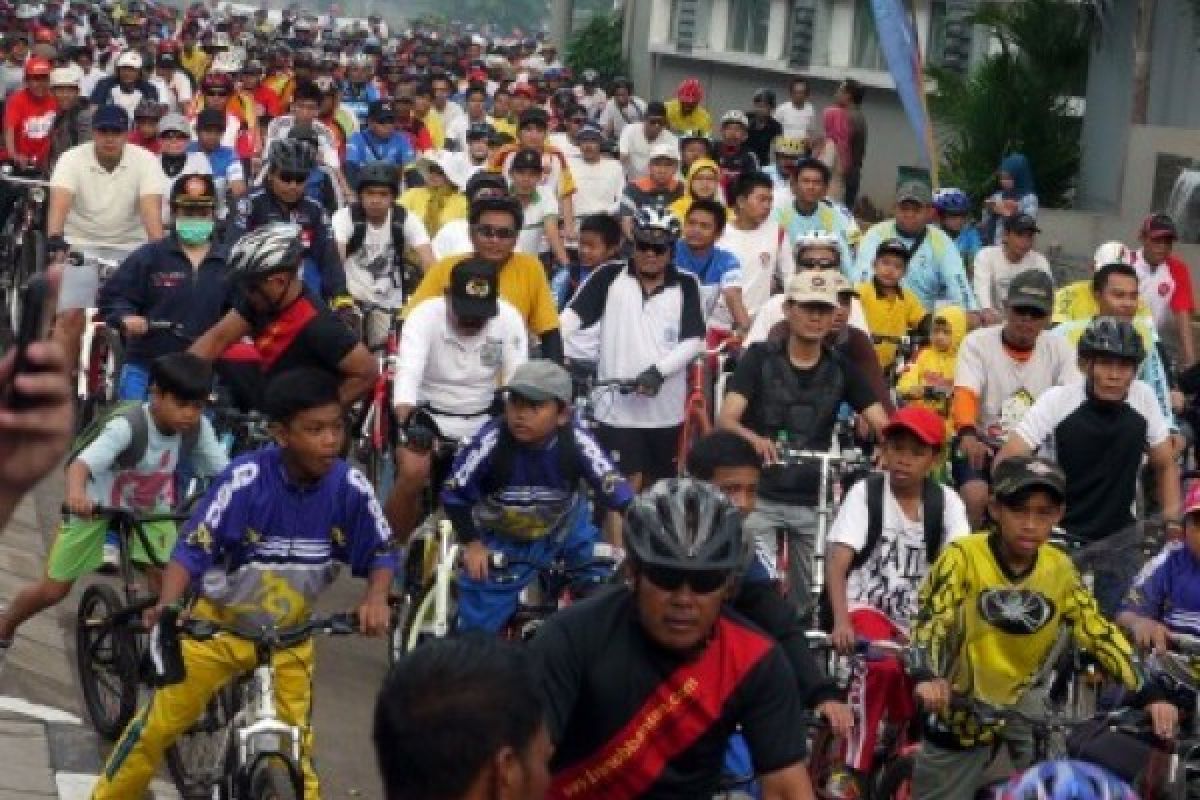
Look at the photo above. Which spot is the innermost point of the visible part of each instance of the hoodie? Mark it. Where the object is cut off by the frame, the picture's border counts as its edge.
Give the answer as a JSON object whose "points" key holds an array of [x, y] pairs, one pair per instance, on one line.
{"points": [[935, 368], [681, 206]]}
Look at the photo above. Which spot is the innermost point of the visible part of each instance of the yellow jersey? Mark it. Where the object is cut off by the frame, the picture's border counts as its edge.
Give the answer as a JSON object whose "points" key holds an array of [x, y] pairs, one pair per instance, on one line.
{"points": [[890, 315], [417, 201], [522, 283], [1075, 301], [678, 122]]}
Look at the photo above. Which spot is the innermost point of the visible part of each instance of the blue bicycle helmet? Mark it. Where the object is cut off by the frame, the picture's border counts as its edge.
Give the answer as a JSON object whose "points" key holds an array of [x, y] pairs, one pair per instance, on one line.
{"points": [[1067, 780], [951, 201]]}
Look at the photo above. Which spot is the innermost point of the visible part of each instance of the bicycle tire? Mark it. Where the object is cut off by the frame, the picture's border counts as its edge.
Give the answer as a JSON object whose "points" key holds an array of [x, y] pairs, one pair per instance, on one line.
{"points": [[198, 760], [398, 628], [274, 778], [895, 779], [110, 707], [113, 364], [822, 758]]}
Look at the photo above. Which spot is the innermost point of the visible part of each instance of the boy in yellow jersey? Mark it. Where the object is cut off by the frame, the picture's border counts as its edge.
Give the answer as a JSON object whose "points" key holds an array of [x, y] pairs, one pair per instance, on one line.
{"points": [[892, 311], [991, 610]]}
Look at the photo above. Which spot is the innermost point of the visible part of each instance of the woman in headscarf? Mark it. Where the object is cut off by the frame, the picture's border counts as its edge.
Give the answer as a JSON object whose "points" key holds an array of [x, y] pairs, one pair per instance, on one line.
{"points": [[1017, 195]]}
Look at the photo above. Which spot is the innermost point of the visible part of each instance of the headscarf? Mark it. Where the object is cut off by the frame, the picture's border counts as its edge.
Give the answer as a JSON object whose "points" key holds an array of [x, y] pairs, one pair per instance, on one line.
{"points": [[1016, 166]]}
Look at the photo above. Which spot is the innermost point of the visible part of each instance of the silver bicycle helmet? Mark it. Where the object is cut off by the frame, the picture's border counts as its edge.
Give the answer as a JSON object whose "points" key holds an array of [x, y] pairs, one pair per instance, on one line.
{"points": [[277, 247], [683, 523]]}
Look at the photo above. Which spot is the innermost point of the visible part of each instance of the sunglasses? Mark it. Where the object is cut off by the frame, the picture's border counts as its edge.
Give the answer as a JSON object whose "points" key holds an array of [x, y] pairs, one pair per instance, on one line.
{"points": [[293, 177], [701, 581], [818, 263], [494, 232], [1029, 311], [658, 248]]}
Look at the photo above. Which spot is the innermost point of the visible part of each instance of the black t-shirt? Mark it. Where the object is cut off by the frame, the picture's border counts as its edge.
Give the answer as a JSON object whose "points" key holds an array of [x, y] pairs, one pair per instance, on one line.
{"points": [[305, 334], [619, 707], [795, 484], [762, 137]]}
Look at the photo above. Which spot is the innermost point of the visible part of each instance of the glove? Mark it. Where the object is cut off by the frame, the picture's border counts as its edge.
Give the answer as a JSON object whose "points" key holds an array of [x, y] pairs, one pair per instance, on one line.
{"points": [[649, 381], [419, 437]]}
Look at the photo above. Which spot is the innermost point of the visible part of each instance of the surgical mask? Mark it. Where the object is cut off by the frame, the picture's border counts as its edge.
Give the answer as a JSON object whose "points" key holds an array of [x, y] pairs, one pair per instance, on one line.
{"points": [[194, 230]]}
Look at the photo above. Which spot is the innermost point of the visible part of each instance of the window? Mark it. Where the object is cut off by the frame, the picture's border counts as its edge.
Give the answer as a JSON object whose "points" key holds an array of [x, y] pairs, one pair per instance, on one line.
{"points": [[703, 15], [748, 24], [935, 45], [865, 51]]}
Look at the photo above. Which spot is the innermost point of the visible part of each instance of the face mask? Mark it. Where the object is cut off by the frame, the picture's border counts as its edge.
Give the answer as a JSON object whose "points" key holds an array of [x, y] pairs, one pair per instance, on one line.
{"points": [[194, 231]]}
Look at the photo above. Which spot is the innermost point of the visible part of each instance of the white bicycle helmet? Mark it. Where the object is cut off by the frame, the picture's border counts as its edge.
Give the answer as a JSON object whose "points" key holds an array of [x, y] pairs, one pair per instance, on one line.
{"points": [[656, 224], [1113, 252], [272, 248], [228, 62], [735, 116], [814, 239], [1067, 780]]}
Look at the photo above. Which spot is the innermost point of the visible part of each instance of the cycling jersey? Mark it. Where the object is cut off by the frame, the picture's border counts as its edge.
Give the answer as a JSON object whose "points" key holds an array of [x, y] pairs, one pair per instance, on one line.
{"points": [[1168, 589], [529, 496], [357, 99], [1077, 301], [935, 270], [305, 334], [365, 146], [990, 631], [829, 217], [631, 719], [323, 273]]}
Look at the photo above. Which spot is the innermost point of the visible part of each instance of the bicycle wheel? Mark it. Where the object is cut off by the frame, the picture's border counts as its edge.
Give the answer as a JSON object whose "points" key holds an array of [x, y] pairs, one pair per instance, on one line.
{"points": [[105, 655], [274, 778], [822, 759], [198, 760], [895, 780], [113, 363], [401, 624]]}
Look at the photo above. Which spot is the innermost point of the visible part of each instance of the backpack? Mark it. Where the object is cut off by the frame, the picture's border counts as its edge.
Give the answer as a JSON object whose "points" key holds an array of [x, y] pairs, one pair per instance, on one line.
{"points": [[933, 506], [135, 413]]}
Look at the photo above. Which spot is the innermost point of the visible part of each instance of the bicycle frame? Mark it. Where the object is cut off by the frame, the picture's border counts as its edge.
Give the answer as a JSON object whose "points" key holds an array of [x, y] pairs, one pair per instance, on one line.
{"points": [[433, 614], [259, 729]]}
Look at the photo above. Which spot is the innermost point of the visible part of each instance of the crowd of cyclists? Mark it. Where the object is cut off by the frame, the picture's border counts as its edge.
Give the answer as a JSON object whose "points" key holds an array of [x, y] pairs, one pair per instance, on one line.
{"points": [[262, 202]]}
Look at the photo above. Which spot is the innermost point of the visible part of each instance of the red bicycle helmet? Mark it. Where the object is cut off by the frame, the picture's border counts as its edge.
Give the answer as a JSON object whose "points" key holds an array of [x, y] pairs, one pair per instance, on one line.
{"points": [[690, 91]]}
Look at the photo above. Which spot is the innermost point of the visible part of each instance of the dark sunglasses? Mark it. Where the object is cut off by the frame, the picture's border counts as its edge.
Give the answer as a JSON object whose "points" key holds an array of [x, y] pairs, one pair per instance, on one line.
{"points": [[701, 581], [658, 248], [293, 177], [1029, 311], [494, 232], [818, 263]]}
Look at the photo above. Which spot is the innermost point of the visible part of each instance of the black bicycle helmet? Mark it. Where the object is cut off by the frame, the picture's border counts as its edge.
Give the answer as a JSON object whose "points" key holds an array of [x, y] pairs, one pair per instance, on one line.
{"points": [[292, 155], [379, 173], [1109, 336], [194, 191], [277, 247], [683, 523], [485, 180]]}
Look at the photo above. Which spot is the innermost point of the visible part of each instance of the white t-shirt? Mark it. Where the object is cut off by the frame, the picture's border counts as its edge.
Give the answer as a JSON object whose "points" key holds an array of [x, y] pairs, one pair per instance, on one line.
{"points": [[370, 270], [279, 128], [452, 238], [634, 145], [771, 314], [764, 255], [532, 238], [993, 272], [175, 93], [104, 206], [1038, 426], [619, 118], [1007, 388], [598, 186], [1156, 285], [564, 144], [797, 122], [891, 576]]}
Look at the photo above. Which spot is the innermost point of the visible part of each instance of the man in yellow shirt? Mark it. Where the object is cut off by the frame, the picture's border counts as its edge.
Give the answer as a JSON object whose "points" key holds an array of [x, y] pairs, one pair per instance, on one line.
{"points": [[685, 113], [1077, 301], [495, 223], [892, 311]]}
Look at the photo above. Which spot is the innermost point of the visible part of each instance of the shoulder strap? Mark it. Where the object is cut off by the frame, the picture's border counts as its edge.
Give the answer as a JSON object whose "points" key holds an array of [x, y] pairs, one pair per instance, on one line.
{"points": [[360, 229], [568, 454], [874, 519], [131, 456], [933, 509]]}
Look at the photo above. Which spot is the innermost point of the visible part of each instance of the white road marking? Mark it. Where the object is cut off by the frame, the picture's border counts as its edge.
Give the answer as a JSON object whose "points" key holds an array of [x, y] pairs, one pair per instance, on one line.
{"points": [[19, 705]]}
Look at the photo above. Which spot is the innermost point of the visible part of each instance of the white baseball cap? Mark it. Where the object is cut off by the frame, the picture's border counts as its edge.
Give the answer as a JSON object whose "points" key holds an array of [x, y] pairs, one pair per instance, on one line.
{"points": [[66, 76], [130, 58], [1112, 253]]}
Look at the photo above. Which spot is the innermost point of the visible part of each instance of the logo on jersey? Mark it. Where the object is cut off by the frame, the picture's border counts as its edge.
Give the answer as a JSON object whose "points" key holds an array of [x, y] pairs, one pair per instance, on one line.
{"points": [[1016, 611]]}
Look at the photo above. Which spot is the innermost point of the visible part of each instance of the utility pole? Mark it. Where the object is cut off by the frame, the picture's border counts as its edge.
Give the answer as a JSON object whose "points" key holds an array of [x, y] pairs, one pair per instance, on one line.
{"points": [[1143, 31]]}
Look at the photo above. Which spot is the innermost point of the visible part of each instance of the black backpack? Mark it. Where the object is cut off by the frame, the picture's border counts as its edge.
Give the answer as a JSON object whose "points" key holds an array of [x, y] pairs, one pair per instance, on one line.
{"points": [[933, 506], [359, 235]]}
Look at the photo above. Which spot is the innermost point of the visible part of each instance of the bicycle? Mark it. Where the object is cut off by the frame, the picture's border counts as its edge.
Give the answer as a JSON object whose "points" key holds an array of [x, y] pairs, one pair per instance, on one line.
{"points": [[23, 239], [587, 388], [555, 586], [698, 411], [102, 351], [425, 608], [107, 644], [252, 754], [377, 429]]}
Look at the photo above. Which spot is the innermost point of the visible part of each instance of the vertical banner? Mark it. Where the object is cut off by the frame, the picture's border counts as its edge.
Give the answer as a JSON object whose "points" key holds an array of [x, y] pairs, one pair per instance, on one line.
{"points": [[901, 48]]}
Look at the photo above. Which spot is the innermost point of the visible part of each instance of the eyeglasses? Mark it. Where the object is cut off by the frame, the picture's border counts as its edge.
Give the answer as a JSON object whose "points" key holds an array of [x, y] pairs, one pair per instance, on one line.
{"points": [[293, 177], [818, 263], [494, 232], [701, 581], [658, 248], [1028, 311]]}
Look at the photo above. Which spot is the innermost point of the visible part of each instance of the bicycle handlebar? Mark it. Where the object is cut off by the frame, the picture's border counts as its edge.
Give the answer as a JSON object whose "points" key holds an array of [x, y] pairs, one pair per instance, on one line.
{"points": [[134, 516], [1186, 643], [34, 183], [341, 624]]}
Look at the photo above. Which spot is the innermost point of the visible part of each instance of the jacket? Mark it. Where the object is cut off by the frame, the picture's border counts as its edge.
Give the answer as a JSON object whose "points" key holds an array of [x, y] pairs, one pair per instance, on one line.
{"points": [[260, 207], [935, 368]]}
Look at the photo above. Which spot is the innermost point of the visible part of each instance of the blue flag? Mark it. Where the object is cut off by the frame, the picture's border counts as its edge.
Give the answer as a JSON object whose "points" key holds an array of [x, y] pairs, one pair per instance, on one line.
{"points": [[898, 41]]}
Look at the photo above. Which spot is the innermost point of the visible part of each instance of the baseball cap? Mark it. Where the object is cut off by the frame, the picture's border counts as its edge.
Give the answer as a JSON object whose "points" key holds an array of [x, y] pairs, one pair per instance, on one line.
{"points": [[211, 118], [533, 116], [110, 118], [813, 286], [841, 284], [130, 58], [1032, 288], [174, 122], [1021, 223], [540, 380], [920, 422], [1018, 473], [525, 90], [167, 60], [381, 111], [1112, 253], [474, 289], [914, 191], [894, 246], [664, 149], [1159, 226], [526, 160], [590, 131], [66, 76]]}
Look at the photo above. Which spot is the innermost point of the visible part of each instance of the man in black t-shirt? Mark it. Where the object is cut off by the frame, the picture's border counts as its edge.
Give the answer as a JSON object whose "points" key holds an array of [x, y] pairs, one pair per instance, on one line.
{"points": [[644, 685], [290, 328], [790, 391]]}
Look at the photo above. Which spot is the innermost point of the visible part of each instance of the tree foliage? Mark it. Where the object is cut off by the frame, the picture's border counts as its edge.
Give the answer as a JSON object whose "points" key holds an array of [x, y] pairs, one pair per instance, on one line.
{"points": [[1016, 100], [598, 46]]}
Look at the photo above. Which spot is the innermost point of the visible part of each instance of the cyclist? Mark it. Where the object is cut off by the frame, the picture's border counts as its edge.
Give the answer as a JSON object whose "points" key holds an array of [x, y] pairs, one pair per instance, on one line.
{"points": [[29, 116], [1097, 431], [797, 115], [935, 268], [1166, 286], [291, 329], [760, 244], [1077, 301], [623, 108], [600, 178], [258, 551], [656, 190], [73, 122], [764, 129], [953, 208], [633, 705], [127, 88], [377, 142], [454, 238], [179, 279], [991, 611], [811, 210], [532, 134], [996, 265], [589, 95], [788, 152], [639, 141], [790, 392], [358, 90], [684, 112], [733, 152], [304, 110], [695, 146], [282, 199], [515, 489], [227, 169], [651, 327], [483, 694], [716, 268], [892, 311]]}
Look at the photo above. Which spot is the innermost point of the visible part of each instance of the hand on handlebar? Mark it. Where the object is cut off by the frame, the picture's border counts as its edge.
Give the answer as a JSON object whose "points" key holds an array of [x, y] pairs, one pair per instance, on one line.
{"points": [[766, 450], [374, 616], [839, 716], [975, 451], [842, 637], [1150, 634], [475, 559], [933, 695], [1164, 719], [134, 325], [79, 504]]}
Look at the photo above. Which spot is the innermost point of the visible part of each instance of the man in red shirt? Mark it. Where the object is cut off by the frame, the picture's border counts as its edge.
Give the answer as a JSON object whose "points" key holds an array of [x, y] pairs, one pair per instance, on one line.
{"points": [[1165, 285], [28, 117]]}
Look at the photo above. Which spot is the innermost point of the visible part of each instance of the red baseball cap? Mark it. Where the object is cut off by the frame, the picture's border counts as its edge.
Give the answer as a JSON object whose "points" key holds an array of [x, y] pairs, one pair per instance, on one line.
{"points": [[1159, 226], [920, 422]]}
